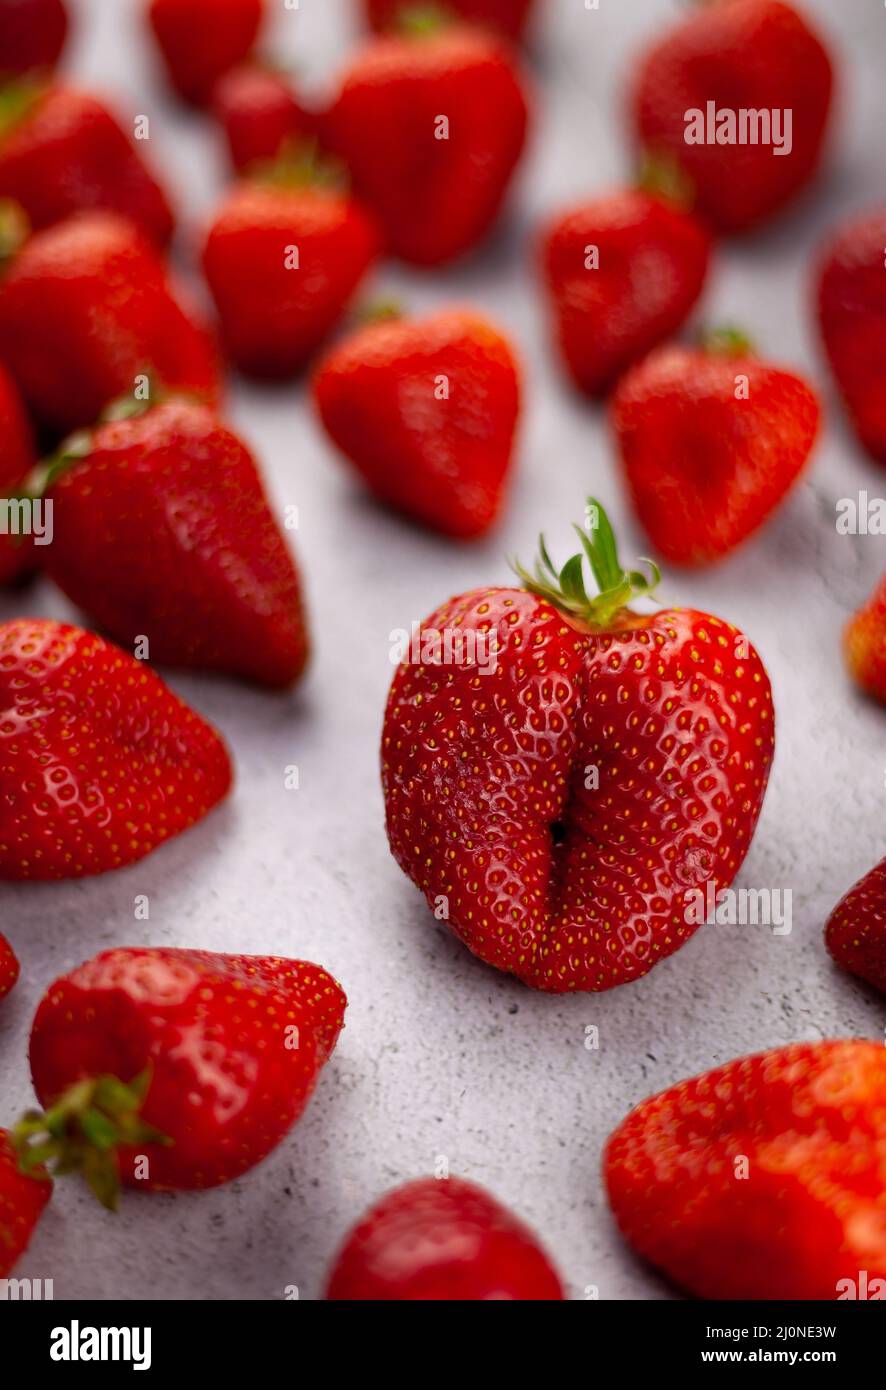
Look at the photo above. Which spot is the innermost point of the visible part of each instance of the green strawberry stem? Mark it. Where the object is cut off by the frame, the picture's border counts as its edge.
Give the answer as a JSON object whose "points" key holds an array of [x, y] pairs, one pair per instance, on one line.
{"points": [[82, 1130], [16, 99], [566, 588], [420, 21], [663, 177], [379, 311], [14, 229], [301, 165], [727, 341]]}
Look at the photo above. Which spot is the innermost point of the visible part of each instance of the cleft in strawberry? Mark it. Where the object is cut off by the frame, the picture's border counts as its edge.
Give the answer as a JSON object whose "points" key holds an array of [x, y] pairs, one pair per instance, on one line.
{"points": [[711, 439], [17, 458], [442, 1240], [426, 411], [507, 17], [431, 124], [9, 973], [32, 36], [852, 318], [163, 531], [763, 1179], [99, 762], [22, 1200], [864, 644], [559, 770], [201, 40], [855, 933], [164, 1068], [87, 315], [261, 118]]}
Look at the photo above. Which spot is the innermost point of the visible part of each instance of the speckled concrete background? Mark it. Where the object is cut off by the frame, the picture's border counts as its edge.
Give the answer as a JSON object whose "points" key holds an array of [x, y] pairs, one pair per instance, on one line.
{"points": [[442, 1056]]}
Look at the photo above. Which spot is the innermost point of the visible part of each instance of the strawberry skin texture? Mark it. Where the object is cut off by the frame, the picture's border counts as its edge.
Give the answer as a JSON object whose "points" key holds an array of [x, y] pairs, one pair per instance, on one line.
{"points": [[855, 933], [85, 307], [441, 462], [226, 1086], [653, 264], [705, 470], [32, 35], [435, 198], [864, 644], [273, 317], [22, 1200], [259, 115], [443, 1239], [480, 770], [99, 761], [9, 971], [201, 40], [68, 154], [17, 458], [505, 16], [810, 1120], [163, 529], [745, 55], [852, 317]]}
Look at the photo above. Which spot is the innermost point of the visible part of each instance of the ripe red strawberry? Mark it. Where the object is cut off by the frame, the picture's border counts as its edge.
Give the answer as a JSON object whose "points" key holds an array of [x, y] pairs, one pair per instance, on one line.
{"points": [[283, 263], [65, 152], [32, 35], [85, 309], [742, 56], [623, 273], [260, 116], [17, 458], [99, 762], [852, 315], [711, 440], [856, 929], [201, 40], [431, 127], [162, 530], [558, 771], [506, 16], [165, 1068], [426, 411], [864, 643], [442, 1239], [763, 1179], [9, 973], [22, 1200]]}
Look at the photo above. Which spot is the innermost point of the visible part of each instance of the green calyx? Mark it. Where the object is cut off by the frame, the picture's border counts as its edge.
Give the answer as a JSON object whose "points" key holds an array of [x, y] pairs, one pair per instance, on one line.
{"points": [[663, 177], [16, 100], [83, 1130], [300, 164], [566, 588], [14, 229], [727, 341], [421, 21]]}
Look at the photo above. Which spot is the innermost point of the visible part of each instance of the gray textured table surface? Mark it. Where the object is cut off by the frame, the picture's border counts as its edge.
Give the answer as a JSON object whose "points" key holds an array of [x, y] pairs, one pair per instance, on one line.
{"points": [[442, 1056]]}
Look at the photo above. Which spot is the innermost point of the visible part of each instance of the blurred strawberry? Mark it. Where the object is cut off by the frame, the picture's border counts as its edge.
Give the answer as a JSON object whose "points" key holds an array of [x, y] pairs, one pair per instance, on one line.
{"points": [[200, 40], [17, 458], [856, 929], [260, 115], [9, 973], [852, 316], [22, 1200], [506, 16], [864, 644], [32, 35]]}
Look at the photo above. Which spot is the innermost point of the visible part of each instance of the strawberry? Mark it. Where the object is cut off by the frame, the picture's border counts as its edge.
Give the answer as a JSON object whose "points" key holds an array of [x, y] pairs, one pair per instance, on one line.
{"points": [[442, 1239], [22, 1199], [864, 643], [260, 116], [711, 441], [163, 530], [426, 411], [62, 151], [559, 771], [765, 1178], [17, 458], [856, 929], [85, 309], [741, 56], [99, 762], [505, 16], [852, 317], [283, 263], [32, 35], [623, 273], [201, 40], [431, 126], [164, 1068], [9, 972]]}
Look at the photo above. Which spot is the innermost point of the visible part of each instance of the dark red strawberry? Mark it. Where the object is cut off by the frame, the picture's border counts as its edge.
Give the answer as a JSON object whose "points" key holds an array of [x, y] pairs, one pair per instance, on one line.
{"points": [[748, 59], [17, 458], [62, 151], [442, 1239], [864, 644], [712, 440], [9, 973], [856, 929], [623, 273], [283, 263], [763, 1179], [163, 531], [201, 40], [22, 1200], [99, 762], [86, 312], [164, 1068], [32, 35], [431, 127], [852, 316], [561, 772], [426, 411], [260, 115], [506, 16]]}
